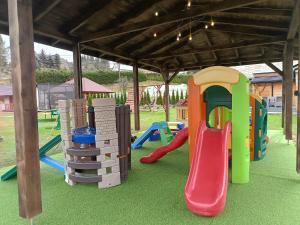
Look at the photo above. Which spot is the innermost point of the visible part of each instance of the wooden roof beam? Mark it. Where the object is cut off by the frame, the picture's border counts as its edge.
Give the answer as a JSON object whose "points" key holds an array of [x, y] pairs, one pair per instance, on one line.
{"points": [[294, 21], [210, 44], [171, 18], [232, 62], [91, 11], [273, 67], [261, 11], [45, 10], [247, 22], [243, 44]]}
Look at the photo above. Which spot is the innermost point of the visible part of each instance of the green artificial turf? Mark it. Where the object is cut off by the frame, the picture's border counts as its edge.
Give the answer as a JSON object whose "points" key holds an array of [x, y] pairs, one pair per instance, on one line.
{"points": [[154, 194]]}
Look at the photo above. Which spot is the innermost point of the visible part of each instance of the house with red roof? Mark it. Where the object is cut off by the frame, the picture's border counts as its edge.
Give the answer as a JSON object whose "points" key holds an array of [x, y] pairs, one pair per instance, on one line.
{"points": [[6, 98]]}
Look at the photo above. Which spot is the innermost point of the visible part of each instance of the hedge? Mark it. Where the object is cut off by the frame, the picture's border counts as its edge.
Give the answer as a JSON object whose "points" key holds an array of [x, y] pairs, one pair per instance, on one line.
{"points": [[102, 77]]}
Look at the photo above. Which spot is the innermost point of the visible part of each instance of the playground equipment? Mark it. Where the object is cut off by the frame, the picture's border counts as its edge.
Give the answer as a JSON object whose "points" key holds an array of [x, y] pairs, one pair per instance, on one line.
{"points": [[178, 141], [182, 111], [258, 127], [100, 154], [45, 159], [165, 134], [218, 109]]}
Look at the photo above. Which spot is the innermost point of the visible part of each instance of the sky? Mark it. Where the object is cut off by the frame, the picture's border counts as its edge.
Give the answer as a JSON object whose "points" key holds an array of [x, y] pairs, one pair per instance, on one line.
{"points": [[247, 70]]}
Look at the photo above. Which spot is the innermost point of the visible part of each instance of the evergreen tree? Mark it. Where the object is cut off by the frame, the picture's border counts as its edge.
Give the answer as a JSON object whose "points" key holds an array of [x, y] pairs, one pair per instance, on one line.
{"points": [[148, 97], [42, 59], [90, 99], [177, 96], [118, 99], [142, 101], [125, 97], [122, 99], [159, 100], [181, 94], [3, 55], [57, 61], [173, 98]]}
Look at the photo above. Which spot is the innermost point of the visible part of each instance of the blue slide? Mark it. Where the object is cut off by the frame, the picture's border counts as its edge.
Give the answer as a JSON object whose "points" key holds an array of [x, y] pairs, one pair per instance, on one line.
{"points": [[145, 136]]}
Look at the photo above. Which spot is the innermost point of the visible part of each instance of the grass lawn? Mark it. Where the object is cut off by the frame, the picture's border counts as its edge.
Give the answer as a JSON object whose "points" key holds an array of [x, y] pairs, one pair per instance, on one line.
{"points": [[7, 146], [46, 131], [154, 194]]}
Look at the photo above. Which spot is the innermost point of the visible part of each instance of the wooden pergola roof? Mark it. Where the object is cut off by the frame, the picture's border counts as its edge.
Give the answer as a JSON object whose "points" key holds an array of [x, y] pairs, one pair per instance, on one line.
{"points": [[245, 31]]}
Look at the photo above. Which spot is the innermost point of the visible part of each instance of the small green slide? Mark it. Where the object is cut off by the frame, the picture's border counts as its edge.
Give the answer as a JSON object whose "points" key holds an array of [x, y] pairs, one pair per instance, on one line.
{"points": [[42, 151]]}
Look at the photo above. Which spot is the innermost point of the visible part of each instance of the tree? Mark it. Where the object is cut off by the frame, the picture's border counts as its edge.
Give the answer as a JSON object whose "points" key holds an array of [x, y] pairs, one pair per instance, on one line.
{"points": [[186, 95], [57, 61], [159, 100], [3, 55], [177, 96], [142, 101], [181, 94], [42, 59], [173, 98], [148, 97]]}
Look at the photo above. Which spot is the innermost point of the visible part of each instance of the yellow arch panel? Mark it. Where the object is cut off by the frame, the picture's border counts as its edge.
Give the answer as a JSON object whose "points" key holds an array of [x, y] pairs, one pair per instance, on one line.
{"points": [[224, 85], [216, 74]]}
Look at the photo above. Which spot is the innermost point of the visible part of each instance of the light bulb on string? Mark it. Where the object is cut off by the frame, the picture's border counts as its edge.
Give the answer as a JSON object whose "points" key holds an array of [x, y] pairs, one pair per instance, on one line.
{"points": [[189, 3], [156, 13], [206, 26], [155, 34], [212, 23], [178, 38], [190, 27], [179, 34]]}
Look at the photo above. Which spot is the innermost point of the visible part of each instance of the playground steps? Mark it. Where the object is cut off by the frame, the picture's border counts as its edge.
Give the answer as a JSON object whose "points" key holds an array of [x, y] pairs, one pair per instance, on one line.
{"points": [[85, 178], [93, 163]]}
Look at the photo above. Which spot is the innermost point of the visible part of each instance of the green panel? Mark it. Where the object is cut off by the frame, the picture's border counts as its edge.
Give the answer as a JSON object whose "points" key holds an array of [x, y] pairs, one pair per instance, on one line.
{"points": [[240, 131], [215, 96], [260, 143], [166, 135]]}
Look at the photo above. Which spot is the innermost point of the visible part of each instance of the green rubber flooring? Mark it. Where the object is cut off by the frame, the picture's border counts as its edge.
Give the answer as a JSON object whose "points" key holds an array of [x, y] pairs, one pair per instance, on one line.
{"points": [[154, 194]]}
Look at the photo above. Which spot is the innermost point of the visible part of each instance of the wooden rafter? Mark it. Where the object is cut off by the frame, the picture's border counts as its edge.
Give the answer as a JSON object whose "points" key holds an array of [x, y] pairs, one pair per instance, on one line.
{"points": [[45, 10], [208, 41], [192, 13], [247, 22], [274, 68], [243, 44], [294, 21]]}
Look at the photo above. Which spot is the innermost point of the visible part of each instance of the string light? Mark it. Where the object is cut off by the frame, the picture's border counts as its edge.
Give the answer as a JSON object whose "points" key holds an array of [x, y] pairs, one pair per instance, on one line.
{"points": [[190, 26], [155, 34], [189, 3], [212, 23], [206, 26], [178, 38], [179, 34], [156, 13]]}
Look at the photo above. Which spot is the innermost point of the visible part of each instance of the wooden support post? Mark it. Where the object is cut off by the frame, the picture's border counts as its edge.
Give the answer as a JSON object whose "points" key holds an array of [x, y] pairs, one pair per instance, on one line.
{"points": [[298, 105], [25, 107], [165, 74], [77, 71], [136, 96], [288, 75], [283, 96]]}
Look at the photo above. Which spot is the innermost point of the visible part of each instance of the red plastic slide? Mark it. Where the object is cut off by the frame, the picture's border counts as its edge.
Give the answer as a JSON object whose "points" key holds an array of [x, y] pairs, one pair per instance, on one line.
{"points": [[206, 187], [178, 140]]}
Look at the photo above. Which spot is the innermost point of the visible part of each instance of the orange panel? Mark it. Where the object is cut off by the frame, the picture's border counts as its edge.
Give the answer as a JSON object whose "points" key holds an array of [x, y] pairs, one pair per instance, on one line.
{"points": [[196, 108]]}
